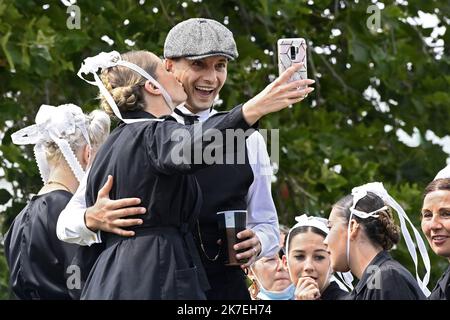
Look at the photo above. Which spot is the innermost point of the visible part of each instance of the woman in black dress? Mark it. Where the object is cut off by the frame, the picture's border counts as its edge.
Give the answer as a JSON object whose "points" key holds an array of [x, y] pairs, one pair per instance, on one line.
{"points": [[161, 260], [362, 230], [40, 264], [308, 261], [436, 227]]}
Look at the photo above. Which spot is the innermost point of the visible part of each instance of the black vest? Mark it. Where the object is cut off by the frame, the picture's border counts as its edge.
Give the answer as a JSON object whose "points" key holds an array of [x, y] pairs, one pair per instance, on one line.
{"points": [[224, 187]]}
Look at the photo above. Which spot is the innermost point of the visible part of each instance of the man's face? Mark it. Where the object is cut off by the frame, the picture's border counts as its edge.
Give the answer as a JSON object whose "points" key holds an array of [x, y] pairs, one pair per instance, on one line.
{"points": [[202, 79]]}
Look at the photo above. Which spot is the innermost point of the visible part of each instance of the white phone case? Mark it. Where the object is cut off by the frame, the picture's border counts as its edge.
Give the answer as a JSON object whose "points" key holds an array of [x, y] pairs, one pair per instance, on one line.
{"points": [[292, 50]]}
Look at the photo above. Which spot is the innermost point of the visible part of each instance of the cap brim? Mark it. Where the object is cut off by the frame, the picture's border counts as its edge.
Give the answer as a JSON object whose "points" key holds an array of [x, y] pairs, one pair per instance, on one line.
{"points": [[202, 56]]}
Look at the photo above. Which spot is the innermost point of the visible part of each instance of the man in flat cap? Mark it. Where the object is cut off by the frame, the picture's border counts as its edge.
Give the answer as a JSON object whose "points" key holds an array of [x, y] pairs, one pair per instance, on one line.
{"points": [[198, 52]]}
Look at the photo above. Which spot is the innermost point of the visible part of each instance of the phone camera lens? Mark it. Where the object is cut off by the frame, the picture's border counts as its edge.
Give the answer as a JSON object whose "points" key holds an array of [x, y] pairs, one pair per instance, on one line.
{"points": [[293, 53]]}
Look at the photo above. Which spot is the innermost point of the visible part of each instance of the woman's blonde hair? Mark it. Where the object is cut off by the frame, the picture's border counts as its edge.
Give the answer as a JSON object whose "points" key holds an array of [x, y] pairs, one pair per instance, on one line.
{"points": [[125, 84]]}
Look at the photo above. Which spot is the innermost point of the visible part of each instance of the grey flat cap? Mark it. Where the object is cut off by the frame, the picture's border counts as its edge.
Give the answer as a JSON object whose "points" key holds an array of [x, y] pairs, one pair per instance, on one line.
{"points": [[199, 38]]}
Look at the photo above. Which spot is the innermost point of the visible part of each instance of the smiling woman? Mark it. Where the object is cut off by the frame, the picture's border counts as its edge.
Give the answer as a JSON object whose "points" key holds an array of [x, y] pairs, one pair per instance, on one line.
{"points": [[436, 227]]}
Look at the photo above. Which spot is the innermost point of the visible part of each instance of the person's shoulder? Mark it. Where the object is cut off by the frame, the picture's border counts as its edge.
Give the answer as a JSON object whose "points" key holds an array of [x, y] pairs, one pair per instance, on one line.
{"points": [[393, 269], [168, 117], [334, 292], [57, 196], [398, 279], [53, 202], [49, 200], [392, 272], [441, 290], [215, 113], [161, 122]]}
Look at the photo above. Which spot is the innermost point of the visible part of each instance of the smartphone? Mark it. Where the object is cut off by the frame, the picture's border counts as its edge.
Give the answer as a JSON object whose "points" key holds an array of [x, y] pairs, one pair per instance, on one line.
{"points": [[292, 50]]}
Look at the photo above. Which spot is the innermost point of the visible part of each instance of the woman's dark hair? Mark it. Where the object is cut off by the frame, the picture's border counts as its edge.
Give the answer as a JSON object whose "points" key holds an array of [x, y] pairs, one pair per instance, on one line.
{"points": [[303, 229], [438, 184], [382, 230]]}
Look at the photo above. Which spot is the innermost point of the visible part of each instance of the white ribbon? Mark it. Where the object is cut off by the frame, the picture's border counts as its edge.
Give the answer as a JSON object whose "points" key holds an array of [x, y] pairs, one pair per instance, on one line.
{"points": [[377, 188], [358, 194], [52, 123], [106, 60]]}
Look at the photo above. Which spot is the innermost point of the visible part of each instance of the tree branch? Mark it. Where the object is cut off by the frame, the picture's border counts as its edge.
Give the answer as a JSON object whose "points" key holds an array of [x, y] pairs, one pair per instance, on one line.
{"points": [[337, 77], [314, 73], [164, 10]]}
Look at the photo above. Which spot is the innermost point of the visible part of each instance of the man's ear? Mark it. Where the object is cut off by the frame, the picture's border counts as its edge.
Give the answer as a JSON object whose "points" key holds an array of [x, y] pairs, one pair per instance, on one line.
{"points": [[168, 64]]}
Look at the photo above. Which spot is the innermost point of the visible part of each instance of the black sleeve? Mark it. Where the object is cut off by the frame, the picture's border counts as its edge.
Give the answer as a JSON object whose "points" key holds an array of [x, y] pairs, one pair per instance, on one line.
{"points": [[175, 148], [8, 244]]}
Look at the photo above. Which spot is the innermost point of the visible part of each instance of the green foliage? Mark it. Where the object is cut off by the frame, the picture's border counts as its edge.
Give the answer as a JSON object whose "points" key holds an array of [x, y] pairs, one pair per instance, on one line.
{"points": [[336, 125]]}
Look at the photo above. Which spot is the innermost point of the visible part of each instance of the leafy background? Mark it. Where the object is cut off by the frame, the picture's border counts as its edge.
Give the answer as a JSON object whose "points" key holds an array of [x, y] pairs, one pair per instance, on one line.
{"points": [[342, 136]]}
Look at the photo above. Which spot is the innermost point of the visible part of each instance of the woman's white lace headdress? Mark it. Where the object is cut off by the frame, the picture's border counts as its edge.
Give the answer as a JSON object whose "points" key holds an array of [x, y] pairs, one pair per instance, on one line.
{"points": [[54, 124]]}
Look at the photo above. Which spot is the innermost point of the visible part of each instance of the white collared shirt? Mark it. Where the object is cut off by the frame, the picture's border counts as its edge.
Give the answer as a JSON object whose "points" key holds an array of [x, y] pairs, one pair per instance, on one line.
{"points": [[71, 226], [202, 115]]}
